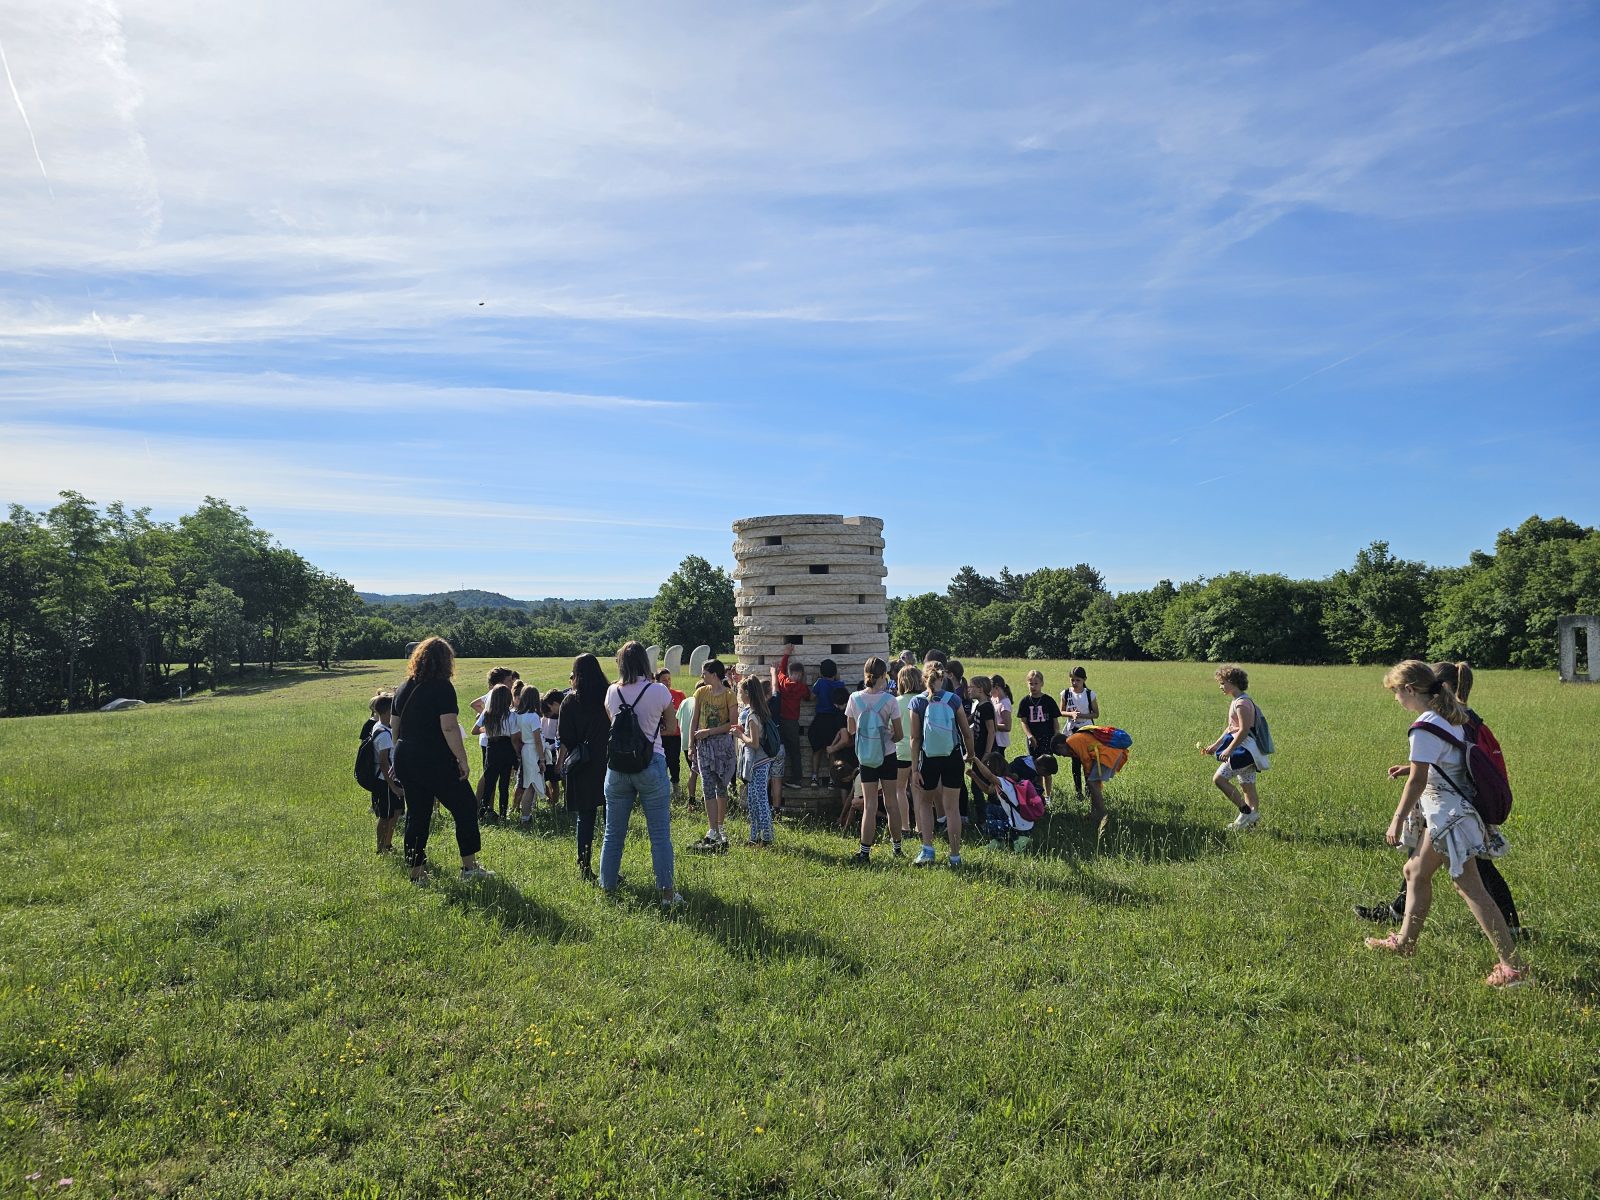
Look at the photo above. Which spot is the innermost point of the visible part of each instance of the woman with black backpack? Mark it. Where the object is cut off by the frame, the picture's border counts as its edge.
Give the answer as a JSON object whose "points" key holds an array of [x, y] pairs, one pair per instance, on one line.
{"points": [[636, 769], [584, 728]]}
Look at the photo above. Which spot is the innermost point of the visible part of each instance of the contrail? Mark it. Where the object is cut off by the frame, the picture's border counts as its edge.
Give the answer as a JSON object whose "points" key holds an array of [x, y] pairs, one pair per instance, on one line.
{"points": [[26, 124], [106, 334]]}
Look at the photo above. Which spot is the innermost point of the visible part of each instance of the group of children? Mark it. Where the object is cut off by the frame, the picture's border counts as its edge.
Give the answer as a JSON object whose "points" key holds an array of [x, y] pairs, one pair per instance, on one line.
{"points": [[912, 741]]}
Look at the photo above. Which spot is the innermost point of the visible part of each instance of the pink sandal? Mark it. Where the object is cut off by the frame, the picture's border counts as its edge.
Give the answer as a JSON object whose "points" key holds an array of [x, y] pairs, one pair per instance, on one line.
{"points": [[1392, 944], [1506, 977]]}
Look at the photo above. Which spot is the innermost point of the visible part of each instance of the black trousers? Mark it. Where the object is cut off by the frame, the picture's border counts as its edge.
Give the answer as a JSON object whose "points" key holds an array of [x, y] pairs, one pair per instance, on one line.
{"points": [[1494, 883], [442, 782], [789, 731], [498, 764], [585, 836], [672, 747]]}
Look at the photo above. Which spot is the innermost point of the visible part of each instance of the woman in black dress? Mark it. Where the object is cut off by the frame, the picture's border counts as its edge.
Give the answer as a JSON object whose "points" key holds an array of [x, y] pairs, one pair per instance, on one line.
{"points": [[431, 759], [584, 730]]}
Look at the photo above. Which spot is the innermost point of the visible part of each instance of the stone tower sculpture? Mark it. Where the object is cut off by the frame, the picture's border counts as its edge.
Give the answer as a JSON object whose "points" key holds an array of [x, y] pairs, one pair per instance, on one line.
{"points": [[815, 581]]}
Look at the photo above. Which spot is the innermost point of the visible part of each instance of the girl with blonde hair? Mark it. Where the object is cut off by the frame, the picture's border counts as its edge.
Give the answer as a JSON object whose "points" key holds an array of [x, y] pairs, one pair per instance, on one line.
{"points": [[1435, 812]]}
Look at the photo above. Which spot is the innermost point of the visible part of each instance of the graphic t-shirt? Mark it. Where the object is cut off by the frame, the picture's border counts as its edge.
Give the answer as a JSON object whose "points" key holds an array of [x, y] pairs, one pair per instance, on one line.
{"points": [[712, 709], [982, 729], [1038, 714], [1075, 707]]}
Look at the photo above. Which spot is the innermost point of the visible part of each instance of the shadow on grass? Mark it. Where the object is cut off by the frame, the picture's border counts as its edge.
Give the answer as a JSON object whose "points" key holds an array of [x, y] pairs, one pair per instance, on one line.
{"points": [[1062, 875], [744, 931], [1162, 839], [1584, 979], [505, 902], [256, 682]]}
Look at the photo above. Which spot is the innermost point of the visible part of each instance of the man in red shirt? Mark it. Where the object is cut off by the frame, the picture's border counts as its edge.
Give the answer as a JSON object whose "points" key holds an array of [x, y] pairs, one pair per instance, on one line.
{"points": [[790, 691]]}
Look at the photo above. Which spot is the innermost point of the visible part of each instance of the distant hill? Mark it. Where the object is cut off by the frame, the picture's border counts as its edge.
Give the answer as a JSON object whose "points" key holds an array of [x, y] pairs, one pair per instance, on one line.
{"points": [[478, 598]]}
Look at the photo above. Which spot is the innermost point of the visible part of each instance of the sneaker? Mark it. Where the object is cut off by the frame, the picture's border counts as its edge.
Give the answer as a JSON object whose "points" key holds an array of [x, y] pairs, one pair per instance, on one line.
{"points": [[924, 857], [720, 846], [898, 852], [1021, 843], [954, 860], [1246, 819], [673, 901], [1379, 914], [470, 873], [1391, 944], [861, 858], [1506, 977]]}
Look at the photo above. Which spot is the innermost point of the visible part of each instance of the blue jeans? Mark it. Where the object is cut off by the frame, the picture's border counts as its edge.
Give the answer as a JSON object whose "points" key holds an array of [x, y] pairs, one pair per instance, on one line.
{"points": [[654, 792]]}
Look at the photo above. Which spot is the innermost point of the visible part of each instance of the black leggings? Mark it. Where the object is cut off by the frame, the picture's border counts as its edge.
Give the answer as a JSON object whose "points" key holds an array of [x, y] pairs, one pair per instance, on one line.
{"points": [[441, 782], [1494, 883], [585, 836], [498, 764]]}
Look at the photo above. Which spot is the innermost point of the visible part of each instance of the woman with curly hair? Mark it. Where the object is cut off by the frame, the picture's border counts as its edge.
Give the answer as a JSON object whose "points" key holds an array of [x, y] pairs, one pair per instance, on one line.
{"points": [[431, 758]]}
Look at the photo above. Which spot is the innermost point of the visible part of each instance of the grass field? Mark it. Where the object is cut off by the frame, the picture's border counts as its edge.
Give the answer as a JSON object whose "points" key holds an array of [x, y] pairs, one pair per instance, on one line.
{"points": [[211, 986]]}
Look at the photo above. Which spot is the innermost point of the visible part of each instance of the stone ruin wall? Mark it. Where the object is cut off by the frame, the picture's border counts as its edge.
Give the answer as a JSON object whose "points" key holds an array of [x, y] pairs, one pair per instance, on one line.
{"points": [[815, 580]]}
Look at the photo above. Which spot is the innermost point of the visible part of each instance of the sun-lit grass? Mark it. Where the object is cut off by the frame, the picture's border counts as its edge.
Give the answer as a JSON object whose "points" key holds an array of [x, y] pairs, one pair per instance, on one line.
{"points": [[209, 985]]}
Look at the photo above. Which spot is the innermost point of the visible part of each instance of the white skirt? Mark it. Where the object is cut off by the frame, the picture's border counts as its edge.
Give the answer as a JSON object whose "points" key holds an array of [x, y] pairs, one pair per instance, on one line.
{"points": [[532, 769]]}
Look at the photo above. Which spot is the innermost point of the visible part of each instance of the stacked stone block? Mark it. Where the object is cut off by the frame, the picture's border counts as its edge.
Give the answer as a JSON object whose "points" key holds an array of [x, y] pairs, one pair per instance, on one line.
{"points": [[814, 580]]}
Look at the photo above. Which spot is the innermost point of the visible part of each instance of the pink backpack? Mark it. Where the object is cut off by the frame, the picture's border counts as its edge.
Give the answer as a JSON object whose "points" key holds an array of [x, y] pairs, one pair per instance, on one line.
{"points": [[1030, 805]]}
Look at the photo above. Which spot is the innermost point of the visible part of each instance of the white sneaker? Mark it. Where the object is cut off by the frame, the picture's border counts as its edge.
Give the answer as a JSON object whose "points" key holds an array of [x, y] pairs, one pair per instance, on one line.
{"points": [[470, 873], [1246, 819]]}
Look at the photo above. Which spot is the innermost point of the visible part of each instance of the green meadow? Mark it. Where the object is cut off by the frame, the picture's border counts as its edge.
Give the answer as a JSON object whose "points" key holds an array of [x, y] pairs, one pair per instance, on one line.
{"points": [[211, 986]]}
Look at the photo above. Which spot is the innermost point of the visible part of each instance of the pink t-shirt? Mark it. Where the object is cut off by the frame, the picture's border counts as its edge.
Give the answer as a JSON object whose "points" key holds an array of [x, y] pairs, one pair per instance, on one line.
{"points": [[650, 702]]}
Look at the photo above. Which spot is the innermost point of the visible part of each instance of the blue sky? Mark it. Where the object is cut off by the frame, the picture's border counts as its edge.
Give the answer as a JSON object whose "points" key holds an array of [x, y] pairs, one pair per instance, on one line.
{"points": [[541, 298]]}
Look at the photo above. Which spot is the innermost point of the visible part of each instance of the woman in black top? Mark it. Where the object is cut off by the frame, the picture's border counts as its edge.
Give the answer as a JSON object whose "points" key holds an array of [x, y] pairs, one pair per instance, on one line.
{"points": [[584, 723], [431, 759]]}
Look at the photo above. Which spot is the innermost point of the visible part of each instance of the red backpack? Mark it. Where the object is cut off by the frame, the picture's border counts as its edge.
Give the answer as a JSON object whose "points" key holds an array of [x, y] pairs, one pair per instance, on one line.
{"points": [[1488, 786]]}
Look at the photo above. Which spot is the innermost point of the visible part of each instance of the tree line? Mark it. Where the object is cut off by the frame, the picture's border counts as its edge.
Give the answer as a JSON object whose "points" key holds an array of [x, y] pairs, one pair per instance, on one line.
{"points": [[101, 603], [1497, 610]]}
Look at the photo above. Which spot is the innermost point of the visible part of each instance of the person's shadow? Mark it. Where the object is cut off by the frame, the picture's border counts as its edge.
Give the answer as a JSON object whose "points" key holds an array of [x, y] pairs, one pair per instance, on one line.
{"points": [[744, 931], [506, 903]]}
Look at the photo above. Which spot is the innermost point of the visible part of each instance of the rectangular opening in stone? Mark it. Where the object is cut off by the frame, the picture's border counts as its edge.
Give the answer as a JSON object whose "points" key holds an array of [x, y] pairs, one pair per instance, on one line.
{"points": [[771, 590], [811, 620], [794, 639], [839, 648], [861, 598], [819, 568], [774, 541], [1580, 654]]}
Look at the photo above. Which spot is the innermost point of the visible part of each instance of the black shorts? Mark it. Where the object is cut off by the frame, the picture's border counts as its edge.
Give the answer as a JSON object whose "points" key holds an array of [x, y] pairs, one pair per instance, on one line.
{"points": [[882, 774], [387, 803], [942, 772], [825, 727]]}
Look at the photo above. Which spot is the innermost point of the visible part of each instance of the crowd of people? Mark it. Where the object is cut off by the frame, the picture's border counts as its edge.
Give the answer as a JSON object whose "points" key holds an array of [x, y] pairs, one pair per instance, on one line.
{"points": [[919, 748]]}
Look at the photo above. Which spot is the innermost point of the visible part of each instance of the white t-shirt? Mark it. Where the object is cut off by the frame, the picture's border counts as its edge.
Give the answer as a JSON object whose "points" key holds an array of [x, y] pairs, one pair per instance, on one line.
{"points": [[1435, 751], [550, 727], [1075, 707], [1002, 737], [903, 746], [649, 700], [382, 740], [887, 708], [483, 708]]}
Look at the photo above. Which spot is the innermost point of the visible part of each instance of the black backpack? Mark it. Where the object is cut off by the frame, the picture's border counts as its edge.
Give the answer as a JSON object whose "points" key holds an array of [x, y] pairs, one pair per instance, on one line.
{"points": [[771, 738], [629, 750], [367, 757]]}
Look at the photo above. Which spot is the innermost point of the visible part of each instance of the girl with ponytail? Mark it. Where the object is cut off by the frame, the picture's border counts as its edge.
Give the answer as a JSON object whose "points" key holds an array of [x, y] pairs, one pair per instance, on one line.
{"points": [[1440, 820]]}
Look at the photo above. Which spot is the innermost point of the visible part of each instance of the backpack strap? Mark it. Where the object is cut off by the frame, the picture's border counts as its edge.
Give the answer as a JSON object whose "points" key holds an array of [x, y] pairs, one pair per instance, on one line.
{"points": [[1446, 736]]}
